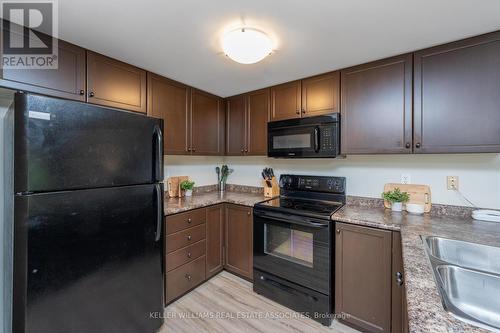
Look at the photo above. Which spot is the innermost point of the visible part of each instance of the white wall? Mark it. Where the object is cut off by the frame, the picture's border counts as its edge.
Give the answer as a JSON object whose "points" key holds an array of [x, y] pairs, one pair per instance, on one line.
{"points": [[479, 174], [201, 169]]}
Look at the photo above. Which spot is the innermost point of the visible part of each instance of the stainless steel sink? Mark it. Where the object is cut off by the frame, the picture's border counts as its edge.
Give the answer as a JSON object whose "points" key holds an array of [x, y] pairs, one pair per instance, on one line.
{"points": [[470, 255], [468, 279]]}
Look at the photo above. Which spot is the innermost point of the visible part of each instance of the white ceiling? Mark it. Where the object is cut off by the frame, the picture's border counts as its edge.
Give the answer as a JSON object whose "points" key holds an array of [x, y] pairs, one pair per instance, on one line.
{"points": [[180, 39]]}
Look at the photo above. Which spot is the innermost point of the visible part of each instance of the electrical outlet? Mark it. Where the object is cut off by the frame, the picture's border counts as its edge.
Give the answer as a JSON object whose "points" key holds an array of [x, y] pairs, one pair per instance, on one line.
{"points": [[452, 183], [405, 178]]}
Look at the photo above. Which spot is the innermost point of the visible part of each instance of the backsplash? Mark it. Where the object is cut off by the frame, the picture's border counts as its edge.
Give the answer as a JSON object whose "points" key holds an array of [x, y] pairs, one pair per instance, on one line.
{"points": [[479, 174]]}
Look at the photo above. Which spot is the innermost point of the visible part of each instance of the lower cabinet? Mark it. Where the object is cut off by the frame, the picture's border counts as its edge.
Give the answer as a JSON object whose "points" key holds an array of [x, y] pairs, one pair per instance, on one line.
{"points": [[202, 242], [239, 240], [369, 292], [215, 239]]}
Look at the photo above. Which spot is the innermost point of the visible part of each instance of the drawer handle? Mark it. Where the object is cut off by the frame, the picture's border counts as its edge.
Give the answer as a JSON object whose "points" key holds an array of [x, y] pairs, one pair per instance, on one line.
{"points": [[189, 220], [189, 237], [91, 94], [189, 254], [188, 276]]}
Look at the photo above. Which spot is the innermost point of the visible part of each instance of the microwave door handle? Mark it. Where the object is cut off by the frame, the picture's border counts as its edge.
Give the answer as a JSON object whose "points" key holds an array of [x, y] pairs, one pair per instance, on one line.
{"points": [[316, 139]]}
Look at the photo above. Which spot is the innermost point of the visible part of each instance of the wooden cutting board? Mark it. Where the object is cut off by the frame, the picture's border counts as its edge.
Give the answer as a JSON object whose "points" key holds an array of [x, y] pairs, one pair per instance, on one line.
{"points": [[174, 186], [419, 194]]}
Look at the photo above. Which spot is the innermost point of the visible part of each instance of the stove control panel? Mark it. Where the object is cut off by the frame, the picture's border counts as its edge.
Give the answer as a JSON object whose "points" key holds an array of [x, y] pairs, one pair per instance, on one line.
{"points": [[313, 183]]}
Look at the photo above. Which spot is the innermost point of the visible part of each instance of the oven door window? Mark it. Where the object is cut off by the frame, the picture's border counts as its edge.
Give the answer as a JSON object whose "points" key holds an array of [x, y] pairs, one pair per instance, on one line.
{"points": [[289, 244]]}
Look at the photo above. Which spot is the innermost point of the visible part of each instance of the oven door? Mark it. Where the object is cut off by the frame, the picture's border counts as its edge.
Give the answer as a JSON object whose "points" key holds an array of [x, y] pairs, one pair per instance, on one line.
{"points": [[295, 248]]}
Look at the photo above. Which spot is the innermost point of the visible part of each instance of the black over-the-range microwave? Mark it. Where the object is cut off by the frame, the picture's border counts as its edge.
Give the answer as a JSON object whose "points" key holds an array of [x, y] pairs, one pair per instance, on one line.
{"points": [[317, 136]]}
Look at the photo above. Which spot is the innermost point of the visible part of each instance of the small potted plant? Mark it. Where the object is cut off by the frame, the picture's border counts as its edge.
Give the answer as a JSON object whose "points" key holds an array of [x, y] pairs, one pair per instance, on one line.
{"points": [[187, 187], [396, 198]]}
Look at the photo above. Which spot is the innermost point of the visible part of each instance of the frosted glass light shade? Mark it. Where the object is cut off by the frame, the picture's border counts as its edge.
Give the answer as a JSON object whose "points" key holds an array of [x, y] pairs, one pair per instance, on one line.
{"points": [[246, 45]]}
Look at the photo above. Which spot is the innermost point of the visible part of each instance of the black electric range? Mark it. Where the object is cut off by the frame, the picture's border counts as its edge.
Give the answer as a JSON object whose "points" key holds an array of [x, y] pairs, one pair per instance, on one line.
{"points": [[294, 244]]}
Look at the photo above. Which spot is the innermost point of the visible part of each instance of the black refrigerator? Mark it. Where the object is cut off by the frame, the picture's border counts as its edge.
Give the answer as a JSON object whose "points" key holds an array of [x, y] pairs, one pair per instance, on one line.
{"points": [[87, 218]]}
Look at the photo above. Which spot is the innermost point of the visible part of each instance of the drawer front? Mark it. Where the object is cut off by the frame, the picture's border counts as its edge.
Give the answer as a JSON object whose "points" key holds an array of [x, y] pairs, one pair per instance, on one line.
{"points": [[184, 278], [185, 255], [185, 237], [185, 220]]}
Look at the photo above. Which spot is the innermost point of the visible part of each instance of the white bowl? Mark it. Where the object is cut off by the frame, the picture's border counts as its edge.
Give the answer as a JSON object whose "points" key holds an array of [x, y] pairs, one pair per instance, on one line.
{"points": [[413, 208]]}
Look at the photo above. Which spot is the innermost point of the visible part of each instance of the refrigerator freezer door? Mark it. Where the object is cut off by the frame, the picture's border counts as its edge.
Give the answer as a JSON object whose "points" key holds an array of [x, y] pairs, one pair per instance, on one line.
{"points": [[89, 261], [64, 145]]}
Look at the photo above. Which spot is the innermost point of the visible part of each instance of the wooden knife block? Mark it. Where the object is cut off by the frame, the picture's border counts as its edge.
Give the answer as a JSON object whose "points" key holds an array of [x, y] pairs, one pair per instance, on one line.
{"points": [[273, 190]]}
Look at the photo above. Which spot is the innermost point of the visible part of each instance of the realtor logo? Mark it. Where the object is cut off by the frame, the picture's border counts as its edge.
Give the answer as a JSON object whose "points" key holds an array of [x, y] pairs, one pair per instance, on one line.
{"points": [[29, 34]]}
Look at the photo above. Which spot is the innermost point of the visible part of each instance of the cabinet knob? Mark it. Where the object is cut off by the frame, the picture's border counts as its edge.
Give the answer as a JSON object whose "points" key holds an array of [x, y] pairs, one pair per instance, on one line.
{"points": [[246, 150], [189, 220], [338, 231], [189, 254], [189, 237], [192, 149], [82, 92], [91, 94], [399, 278], [417, 145], [303, 111], [407, 145], [249, 213], [243, 150], [297, 112], [188, 276]]}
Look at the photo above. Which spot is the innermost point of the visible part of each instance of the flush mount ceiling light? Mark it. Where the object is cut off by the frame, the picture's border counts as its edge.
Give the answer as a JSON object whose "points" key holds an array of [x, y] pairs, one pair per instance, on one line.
{"points": [[246, 45]]}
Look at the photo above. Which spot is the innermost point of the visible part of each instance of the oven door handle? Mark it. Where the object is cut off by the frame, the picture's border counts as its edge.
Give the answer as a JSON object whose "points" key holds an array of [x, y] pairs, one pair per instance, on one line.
{"points": [[290, 220]]}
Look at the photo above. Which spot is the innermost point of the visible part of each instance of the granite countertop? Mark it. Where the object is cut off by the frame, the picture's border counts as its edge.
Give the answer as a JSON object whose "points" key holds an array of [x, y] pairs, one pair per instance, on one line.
{"points": [[425, 310], [177, 205]]}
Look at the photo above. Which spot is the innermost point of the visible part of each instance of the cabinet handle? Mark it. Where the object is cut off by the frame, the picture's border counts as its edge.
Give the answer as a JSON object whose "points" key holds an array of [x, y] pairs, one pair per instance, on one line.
{"points": [[338, 231], [249, 213], [407, 145], [189, 148], [189, 237], [188, 276], [417, 145], [189, 220], [399, 278], [246, 150], [82, 92], [297, 112], [91, 94], [189, 254]]}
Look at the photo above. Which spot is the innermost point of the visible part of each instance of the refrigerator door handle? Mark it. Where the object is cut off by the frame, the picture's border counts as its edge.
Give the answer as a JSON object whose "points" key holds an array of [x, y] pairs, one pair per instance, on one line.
{"points": [[158, 154], [159, 211]]}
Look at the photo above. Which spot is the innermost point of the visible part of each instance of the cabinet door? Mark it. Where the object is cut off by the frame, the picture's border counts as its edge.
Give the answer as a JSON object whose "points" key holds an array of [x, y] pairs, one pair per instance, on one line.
{"points": [[258, 116], [377, 107], [236, 125], [215, 239], [285, 101], [321, 94], [399, 312], [363, 277], [169, 100], [67, 81], [456, 97], [207, 123], [116, 84], [239, 240]]}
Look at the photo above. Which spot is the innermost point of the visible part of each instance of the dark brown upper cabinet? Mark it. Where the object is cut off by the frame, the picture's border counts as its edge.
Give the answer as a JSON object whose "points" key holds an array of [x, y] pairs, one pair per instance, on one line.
{"points": [[215, 239], [239, 240], [207, 124], [169, 100], [67, 81], [286, 101], [457, 102], [246, 123], [236, 118], [376, 111], [257, 118], [321, 94], [363, 277], [114, 83]]}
